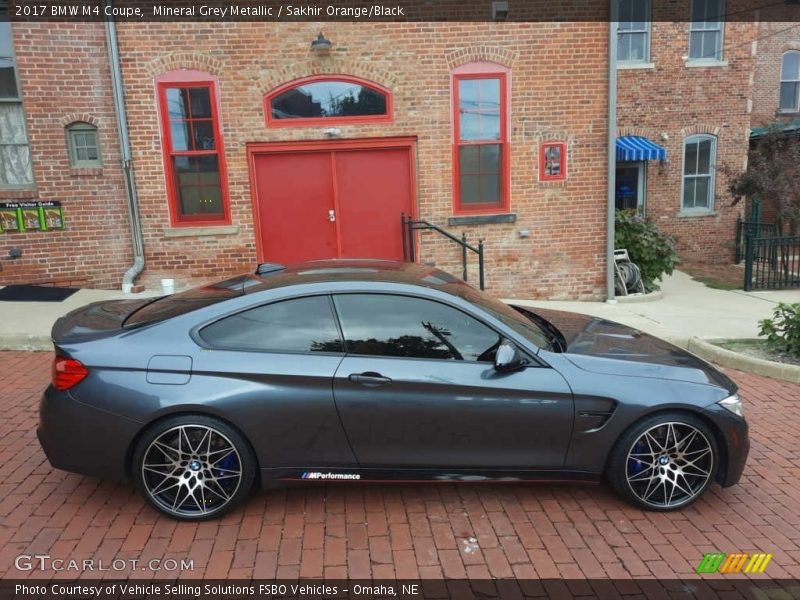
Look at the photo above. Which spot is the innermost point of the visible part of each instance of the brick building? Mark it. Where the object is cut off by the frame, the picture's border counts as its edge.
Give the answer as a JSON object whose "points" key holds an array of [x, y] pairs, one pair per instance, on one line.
{"points": [[686, 87], [249, 146]]}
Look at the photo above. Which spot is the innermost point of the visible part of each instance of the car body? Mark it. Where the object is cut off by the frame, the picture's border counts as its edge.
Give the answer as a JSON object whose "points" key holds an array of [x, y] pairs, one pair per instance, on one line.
{"points": [[376, 370]]}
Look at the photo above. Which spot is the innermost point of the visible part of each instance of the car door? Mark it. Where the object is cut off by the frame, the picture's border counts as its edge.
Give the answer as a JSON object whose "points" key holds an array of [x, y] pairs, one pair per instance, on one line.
{"points": [[269, 370], [418, 389]]}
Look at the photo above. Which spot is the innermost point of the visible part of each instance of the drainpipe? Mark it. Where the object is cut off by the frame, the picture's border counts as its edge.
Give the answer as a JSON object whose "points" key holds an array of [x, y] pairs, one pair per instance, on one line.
{"points": [[612, 149], [131, 196]]}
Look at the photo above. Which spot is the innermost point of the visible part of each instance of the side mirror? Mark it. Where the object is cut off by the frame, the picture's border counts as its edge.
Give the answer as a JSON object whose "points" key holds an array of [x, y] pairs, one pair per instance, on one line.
{"points": [[508, 357]]}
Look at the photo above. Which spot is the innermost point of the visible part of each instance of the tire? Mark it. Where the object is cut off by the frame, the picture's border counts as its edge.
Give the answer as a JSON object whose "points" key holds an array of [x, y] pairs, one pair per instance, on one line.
{"points": [[664, 462], [193, 467]]}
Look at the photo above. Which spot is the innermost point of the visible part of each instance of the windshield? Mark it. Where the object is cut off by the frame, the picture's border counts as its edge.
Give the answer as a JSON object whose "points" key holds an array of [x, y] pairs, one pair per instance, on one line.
{"points": [[510, 317]]}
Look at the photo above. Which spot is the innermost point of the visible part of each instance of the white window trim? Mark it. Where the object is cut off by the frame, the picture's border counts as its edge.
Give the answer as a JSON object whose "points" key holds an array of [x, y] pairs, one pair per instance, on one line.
{"points": [[712, 164], [796, 107], [719, 58], [642, 63]]}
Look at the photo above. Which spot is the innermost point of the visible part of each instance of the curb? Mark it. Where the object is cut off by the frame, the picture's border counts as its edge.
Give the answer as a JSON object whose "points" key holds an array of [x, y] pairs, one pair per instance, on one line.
{"points": [[748, 364], [26, 343]]}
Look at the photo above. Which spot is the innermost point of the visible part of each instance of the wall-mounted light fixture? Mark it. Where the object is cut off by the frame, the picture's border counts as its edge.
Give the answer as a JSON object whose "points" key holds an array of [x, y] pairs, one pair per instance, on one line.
{"points": [[321, 45]]}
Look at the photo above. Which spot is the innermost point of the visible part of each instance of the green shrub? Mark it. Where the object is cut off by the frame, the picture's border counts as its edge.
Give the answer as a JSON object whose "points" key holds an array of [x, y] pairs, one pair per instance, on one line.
{"points": [[783, 329], [651, 250]]}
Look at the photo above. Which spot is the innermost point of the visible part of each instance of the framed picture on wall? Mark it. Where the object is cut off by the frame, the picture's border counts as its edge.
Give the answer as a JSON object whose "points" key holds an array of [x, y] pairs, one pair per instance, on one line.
{"points": [[9, 217]]}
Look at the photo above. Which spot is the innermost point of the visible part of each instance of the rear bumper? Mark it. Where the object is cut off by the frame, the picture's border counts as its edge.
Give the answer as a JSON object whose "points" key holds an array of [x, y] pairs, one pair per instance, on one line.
{"points": [[79, 438]]}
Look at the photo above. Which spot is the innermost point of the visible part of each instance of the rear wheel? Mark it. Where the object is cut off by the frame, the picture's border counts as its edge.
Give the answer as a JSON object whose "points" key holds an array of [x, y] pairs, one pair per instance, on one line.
{"points": [[192, 467], [664, 462]]}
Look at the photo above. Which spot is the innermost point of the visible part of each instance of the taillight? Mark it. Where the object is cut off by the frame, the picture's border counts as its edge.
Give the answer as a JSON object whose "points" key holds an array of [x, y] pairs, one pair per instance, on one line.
{"points": [[67, 373]]}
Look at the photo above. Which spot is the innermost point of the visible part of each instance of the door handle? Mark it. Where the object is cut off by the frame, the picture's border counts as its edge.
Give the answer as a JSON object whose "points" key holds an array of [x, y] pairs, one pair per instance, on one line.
{"points": [[332, 216], [369, 378]]}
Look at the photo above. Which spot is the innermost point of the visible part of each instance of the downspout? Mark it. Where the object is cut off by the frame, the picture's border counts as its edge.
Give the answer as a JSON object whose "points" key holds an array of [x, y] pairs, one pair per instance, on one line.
{"points": [[613, 25], [137, 241]]}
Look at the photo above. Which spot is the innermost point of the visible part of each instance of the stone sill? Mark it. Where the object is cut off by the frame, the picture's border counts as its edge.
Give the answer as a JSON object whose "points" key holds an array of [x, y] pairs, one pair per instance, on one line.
{"points": [[629, 66], [179, 232], [695, 64], [699, 213], [482, 219]]}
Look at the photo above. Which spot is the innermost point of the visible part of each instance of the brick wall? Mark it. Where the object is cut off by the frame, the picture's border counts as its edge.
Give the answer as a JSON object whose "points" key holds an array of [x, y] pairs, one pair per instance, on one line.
{"points": [[558, 90], [674, 100], [64, 76], [778, 33]]}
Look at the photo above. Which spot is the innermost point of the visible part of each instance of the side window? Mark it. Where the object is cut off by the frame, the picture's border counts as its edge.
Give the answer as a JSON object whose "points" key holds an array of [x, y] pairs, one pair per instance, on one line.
{"points": [[83, 145], [385, 325], [300, 325]]}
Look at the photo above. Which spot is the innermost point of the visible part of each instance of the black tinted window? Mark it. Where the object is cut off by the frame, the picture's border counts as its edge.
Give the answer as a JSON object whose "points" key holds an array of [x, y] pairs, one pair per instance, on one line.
{"points": [[402, 326], [301, 325]]}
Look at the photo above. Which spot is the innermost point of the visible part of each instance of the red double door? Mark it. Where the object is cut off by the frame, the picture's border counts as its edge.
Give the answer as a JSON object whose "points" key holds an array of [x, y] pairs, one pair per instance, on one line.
{"points": [[331, 201]]}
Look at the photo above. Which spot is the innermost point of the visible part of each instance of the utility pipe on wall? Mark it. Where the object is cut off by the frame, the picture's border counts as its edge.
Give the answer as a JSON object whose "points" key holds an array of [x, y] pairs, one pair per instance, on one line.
{"points": [[131, 195], [612, 147]]}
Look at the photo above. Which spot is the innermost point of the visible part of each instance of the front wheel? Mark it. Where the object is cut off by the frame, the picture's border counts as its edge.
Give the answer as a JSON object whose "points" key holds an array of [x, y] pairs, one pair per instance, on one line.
{"points": [[192, 467], [664, 462]]}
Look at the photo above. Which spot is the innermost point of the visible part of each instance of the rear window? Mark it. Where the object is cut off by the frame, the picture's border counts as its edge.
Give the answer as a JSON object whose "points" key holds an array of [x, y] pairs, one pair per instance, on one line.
{"points": [[185, 302]]}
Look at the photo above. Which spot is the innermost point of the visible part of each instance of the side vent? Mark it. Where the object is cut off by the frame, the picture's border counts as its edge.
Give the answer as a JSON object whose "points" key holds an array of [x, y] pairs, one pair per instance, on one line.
{"points": [[593, 413]]}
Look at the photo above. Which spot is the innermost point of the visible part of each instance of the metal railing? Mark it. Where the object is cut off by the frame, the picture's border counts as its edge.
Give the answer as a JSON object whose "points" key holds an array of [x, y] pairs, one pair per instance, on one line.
{"points": [[410, 226], [771, 263], [752, 229]]}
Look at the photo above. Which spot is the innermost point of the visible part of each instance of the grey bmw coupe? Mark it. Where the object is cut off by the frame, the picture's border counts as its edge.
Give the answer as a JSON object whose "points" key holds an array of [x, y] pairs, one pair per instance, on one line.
{"points": [[372, 371]]}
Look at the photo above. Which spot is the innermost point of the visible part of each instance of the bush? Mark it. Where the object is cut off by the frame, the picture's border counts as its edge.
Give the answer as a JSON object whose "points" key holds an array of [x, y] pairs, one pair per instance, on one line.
{"points": [[783, 329], [651, 250]]}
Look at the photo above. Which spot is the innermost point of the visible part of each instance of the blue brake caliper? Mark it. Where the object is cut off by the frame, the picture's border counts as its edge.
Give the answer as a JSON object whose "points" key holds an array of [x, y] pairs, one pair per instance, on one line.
{"points": [[636, 466]]}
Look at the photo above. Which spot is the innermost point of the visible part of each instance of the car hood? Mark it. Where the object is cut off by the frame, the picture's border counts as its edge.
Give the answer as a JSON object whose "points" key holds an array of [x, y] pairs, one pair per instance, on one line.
{"points": [[601, 346]]}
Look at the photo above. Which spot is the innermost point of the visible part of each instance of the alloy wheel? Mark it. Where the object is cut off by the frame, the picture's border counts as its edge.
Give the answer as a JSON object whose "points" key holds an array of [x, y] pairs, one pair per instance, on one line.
{"points": [[669, 464], [191, 470]]}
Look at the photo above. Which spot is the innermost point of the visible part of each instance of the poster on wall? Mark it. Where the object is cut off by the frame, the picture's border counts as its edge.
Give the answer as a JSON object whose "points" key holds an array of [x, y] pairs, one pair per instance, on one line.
{"points": [[31, 216]]}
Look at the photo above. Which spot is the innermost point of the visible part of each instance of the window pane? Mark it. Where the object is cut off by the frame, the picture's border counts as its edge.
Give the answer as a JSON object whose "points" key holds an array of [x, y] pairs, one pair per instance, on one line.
{"points": [[490, 188], [203, 135], [302, 325], [479, 109], [468, 159], [789, 96], [690, 162], [623, 46], [790, 66], [385, 325], [470, 189], [704, 45], [688, 192], [199, 191], [208, 169], [6, 44], [185, 170], [328, 99], [704, 157], [637, 46], [81, 154], [8, 83], [178, 103], [706, 14], [179, 130], [91, 153], [200, 103], [702, 193], [490, 158]]}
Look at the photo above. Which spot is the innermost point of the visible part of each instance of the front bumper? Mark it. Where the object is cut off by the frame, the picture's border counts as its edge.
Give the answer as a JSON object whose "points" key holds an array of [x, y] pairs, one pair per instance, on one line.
{"points": [[79, 438], [735, 444]]}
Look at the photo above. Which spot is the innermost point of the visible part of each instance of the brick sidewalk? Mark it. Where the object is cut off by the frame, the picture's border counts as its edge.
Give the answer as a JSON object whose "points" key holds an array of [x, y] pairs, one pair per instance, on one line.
{"points": [[403, 531]]}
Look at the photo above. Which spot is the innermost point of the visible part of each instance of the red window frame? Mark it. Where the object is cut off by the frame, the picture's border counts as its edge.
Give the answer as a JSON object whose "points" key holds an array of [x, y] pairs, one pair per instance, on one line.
{"points": [[482, 71], [562, 174], [191, 79], [328, 121]]}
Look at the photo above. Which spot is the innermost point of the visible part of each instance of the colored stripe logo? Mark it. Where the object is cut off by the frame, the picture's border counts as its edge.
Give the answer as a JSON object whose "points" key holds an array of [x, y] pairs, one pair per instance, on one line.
{"points": [[741, 562]]}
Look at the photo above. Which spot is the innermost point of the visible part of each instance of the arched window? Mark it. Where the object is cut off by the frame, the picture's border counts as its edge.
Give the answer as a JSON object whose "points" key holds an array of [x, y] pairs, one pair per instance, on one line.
{"points": [[790, 82], [83, 145], [699, 159], [328, 99]]}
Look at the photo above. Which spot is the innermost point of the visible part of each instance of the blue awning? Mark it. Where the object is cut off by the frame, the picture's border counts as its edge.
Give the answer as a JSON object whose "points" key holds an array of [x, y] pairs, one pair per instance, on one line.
{"points": [[634, 147]]}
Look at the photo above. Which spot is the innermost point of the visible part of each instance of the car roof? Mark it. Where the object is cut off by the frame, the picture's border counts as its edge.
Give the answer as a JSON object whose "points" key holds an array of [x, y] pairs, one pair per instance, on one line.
{"points": [[348, 270]]}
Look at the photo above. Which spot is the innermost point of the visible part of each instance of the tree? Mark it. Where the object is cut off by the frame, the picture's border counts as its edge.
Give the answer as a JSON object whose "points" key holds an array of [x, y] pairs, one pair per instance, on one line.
{"points": [[773, 176]]}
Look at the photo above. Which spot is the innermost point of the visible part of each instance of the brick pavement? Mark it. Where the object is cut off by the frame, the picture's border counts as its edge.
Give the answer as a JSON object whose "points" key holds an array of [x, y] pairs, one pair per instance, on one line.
{"points": [[403, 531]]}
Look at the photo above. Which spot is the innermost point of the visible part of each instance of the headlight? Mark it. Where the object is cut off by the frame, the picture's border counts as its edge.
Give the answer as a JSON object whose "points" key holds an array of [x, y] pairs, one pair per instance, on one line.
{"points": [[733, 404]]}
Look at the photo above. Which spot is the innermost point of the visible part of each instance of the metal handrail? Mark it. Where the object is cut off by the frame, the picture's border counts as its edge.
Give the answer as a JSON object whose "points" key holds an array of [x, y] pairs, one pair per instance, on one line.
{"points": [[409, 226]]}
